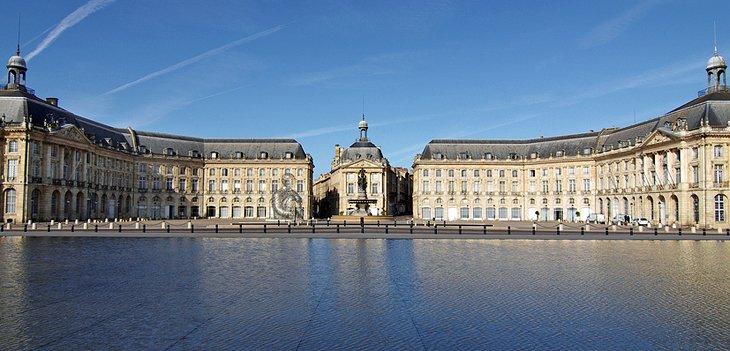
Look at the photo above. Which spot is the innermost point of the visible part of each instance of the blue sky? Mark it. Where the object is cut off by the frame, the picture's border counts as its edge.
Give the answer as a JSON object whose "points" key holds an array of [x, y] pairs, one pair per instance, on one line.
{"points": [[425, 69]]}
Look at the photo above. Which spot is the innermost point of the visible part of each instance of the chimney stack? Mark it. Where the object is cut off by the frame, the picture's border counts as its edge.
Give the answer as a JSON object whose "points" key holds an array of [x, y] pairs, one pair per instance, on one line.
{"points": [[52, 101]]}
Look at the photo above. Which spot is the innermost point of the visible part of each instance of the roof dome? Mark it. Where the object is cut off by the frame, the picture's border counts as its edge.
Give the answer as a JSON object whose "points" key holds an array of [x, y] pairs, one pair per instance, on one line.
{"points": [[16, 61], [716, 61], [362, 124]]}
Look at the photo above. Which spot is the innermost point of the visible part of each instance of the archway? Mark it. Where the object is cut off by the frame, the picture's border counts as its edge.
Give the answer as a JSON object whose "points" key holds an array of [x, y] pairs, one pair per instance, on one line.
{"points": [[695, 209], [662, 210], [35, 201], [675, 208], [55, 201], [79, 205]]}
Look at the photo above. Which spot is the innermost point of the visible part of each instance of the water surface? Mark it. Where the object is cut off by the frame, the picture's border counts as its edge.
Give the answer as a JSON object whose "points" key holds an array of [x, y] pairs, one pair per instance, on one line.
{"points": [[212, 293]]}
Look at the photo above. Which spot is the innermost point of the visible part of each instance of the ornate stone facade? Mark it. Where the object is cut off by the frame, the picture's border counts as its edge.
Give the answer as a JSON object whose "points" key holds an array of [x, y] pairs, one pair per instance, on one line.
{"points": [[671, 170], [60, 166]]}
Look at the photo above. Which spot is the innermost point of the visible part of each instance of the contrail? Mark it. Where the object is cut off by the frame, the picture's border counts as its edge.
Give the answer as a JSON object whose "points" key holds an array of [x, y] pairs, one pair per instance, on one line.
{"points": [[68, 22], [197, 58]]}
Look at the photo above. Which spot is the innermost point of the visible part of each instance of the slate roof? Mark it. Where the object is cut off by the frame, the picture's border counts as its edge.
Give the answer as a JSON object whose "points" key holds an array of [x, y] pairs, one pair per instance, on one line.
{"points": [[14, 105], [712, 109], [362, 150]]}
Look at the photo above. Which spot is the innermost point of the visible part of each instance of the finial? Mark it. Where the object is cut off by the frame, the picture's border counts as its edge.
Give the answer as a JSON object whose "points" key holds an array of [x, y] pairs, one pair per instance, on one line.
{"points": [[17, 50], [714, 32]]}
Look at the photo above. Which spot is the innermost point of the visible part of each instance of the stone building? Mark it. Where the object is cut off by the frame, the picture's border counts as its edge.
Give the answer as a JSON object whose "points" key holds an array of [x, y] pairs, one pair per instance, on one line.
{"points": [[58, 165], [671, 169], [390, 186]]}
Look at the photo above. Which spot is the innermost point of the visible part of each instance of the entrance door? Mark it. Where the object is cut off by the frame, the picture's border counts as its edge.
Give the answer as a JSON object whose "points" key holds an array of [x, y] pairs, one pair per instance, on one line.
{"points": [[452, 214]]}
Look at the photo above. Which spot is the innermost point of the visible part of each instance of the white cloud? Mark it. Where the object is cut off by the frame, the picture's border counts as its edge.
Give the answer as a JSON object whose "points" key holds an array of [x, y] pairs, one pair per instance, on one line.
{"points": [[68, 22], [614, 27]]}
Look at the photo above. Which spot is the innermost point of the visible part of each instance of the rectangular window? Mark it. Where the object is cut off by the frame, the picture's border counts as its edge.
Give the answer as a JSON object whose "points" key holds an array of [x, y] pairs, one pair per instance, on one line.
{"points": [[586, 185], [571, 185], [274, 186], [503, 213], [533, 186], [350, 188], [13, 146], [262, 186], [12, 169], [718, 174], [249, 185], [464, 213], [477, 187], [183, 170], [211, 186], [477, 212], [717, 151], [168, 184], [490, 213], [424, 188], [237, 186], [224, 186], [545, 186], [516, 213], [261, 212], [142, 182], [181, 185], [558, 185], [300, 186], [438, 186], [426, 213], [375, 188], [476, 173], [515, 187], [194, 185]]}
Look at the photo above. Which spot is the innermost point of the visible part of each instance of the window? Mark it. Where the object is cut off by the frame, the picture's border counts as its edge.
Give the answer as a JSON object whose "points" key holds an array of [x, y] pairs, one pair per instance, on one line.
{"points": [[237, 186], [168, 184], [438, 173], [501, 173], [194, 185], [558, 185], [424, 188], [571, 185], [476, 173], [262, 172], [249, 185], [718, 174], [300, 172], [224, 172], [12, 169], [261, 212], [350, 188], [464, 213], [274, 186], [571, 170], [514, 174], [13, 146], [717, 151], [438, 186], [211, 172], [425, 173], [516, 213], [532, 173], [586, 185], [36, 147], [586, 170], [695, 174], [142, 182], [720, 208], [451, 173], [545, 186], [477, 188], [262, 186], [558, 171], [489, 173], [586, 201], [211, 186], [463, 173], [477, 213], [695, 153], [10, 201], [181, 185], [300, 186], [426, 212]]}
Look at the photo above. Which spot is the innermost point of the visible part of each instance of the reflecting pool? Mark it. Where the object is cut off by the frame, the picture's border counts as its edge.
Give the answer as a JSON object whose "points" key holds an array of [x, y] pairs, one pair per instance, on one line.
{"points": [[307, 294]]}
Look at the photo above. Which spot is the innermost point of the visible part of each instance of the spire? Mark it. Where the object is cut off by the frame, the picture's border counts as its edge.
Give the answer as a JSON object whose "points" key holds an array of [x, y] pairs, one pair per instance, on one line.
{"points": [[17, 50], [714, 32]]}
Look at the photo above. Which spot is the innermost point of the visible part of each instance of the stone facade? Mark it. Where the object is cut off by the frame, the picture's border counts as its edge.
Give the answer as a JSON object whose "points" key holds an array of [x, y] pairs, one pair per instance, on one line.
{"points": [[671, 170], [59, 166], [390, 186]]}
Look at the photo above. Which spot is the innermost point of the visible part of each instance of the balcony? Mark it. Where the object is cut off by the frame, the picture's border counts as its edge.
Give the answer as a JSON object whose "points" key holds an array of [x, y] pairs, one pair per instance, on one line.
{"points": [[56, 181], [142, 190], [720, 184], [36, 180], [69, 183], [81, 184]]}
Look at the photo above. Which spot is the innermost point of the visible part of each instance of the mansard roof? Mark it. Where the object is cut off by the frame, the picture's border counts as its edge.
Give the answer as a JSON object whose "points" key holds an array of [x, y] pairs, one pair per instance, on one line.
{"points": [[712, 110], [15, 105]]}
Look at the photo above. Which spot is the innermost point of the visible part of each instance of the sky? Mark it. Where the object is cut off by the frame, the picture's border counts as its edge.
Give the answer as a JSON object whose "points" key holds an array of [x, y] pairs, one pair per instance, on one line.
{"points": [[418, 70]]}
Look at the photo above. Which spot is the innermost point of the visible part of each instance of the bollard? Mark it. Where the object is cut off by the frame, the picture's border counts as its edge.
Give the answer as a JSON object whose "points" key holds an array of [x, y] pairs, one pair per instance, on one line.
{"points": [[428, 223], [144, 228], [509, 230], [582, 230], [264, 227], [168, 228], [344, 223], [435, 230], [362, 229], [557, 230], [631, 231], [727, 232], [411, 229], [606, 230], [216, 227], [338, 228], [49, 228], [240, 228], [679, 231], [704, 231], [395, 223], [120, 228], [386, 229], [278, 222], [72, 228], [312, 227], [379, 224], [96, 228], [533, 230], [328, 222], [25, 228], [655, 231], [192, 228], [288, 228], [484, 228], [459, 229]]}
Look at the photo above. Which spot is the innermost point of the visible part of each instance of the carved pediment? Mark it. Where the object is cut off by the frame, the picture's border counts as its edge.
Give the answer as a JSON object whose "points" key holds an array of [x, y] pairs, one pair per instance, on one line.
{"points": [[70, 132]]}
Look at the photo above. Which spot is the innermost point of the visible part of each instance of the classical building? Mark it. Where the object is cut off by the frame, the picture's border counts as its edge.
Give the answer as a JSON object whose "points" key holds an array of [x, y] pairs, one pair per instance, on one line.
{"points": [[58, 165], [671, 170], [390, 186]]}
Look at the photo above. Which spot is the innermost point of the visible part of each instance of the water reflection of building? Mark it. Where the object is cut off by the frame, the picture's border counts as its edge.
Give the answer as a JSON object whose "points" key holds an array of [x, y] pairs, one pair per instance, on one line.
{"points": [[58, 165], [390, 186], [670, 169]]}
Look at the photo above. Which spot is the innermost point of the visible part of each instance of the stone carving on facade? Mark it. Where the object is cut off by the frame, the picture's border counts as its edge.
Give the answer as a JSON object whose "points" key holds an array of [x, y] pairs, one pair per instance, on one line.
{"points": [[680, 125], [287, 203]]}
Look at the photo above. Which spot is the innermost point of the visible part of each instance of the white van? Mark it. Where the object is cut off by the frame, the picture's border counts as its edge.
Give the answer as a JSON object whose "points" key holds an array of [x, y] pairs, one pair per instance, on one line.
{"points": [[596, 218]]}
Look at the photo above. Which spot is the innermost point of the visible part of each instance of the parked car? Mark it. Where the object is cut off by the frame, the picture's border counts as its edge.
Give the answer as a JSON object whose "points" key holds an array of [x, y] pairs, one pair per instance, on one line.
{"points": [[596, 218], [641, 222]]}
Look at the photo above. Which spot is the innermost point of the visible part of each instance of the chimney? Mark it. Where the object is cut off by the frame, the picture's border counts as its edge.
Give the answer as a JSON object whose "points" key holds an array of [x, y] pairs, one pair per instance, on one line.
{"points": [[52, 101]]}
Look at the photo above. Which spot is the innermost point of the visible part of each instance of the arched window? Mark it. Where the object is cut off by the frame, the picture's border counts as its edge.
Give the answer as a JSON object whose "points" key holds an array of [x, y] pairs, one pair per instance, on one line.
{"points": [[10, 201], [720, 208]]}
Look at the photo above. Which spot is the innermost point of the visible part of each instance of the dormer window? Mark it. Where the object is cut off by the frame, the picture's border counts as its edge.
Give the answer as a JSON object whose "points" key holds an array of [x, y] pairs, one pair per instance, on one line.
{"points": [[587, 151], [263, 155], [533, 155], [214, 155], [169, 151], [559, 153], [438, 156], [239, 155], [488, 156], [463, 155], [288, 155]]}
